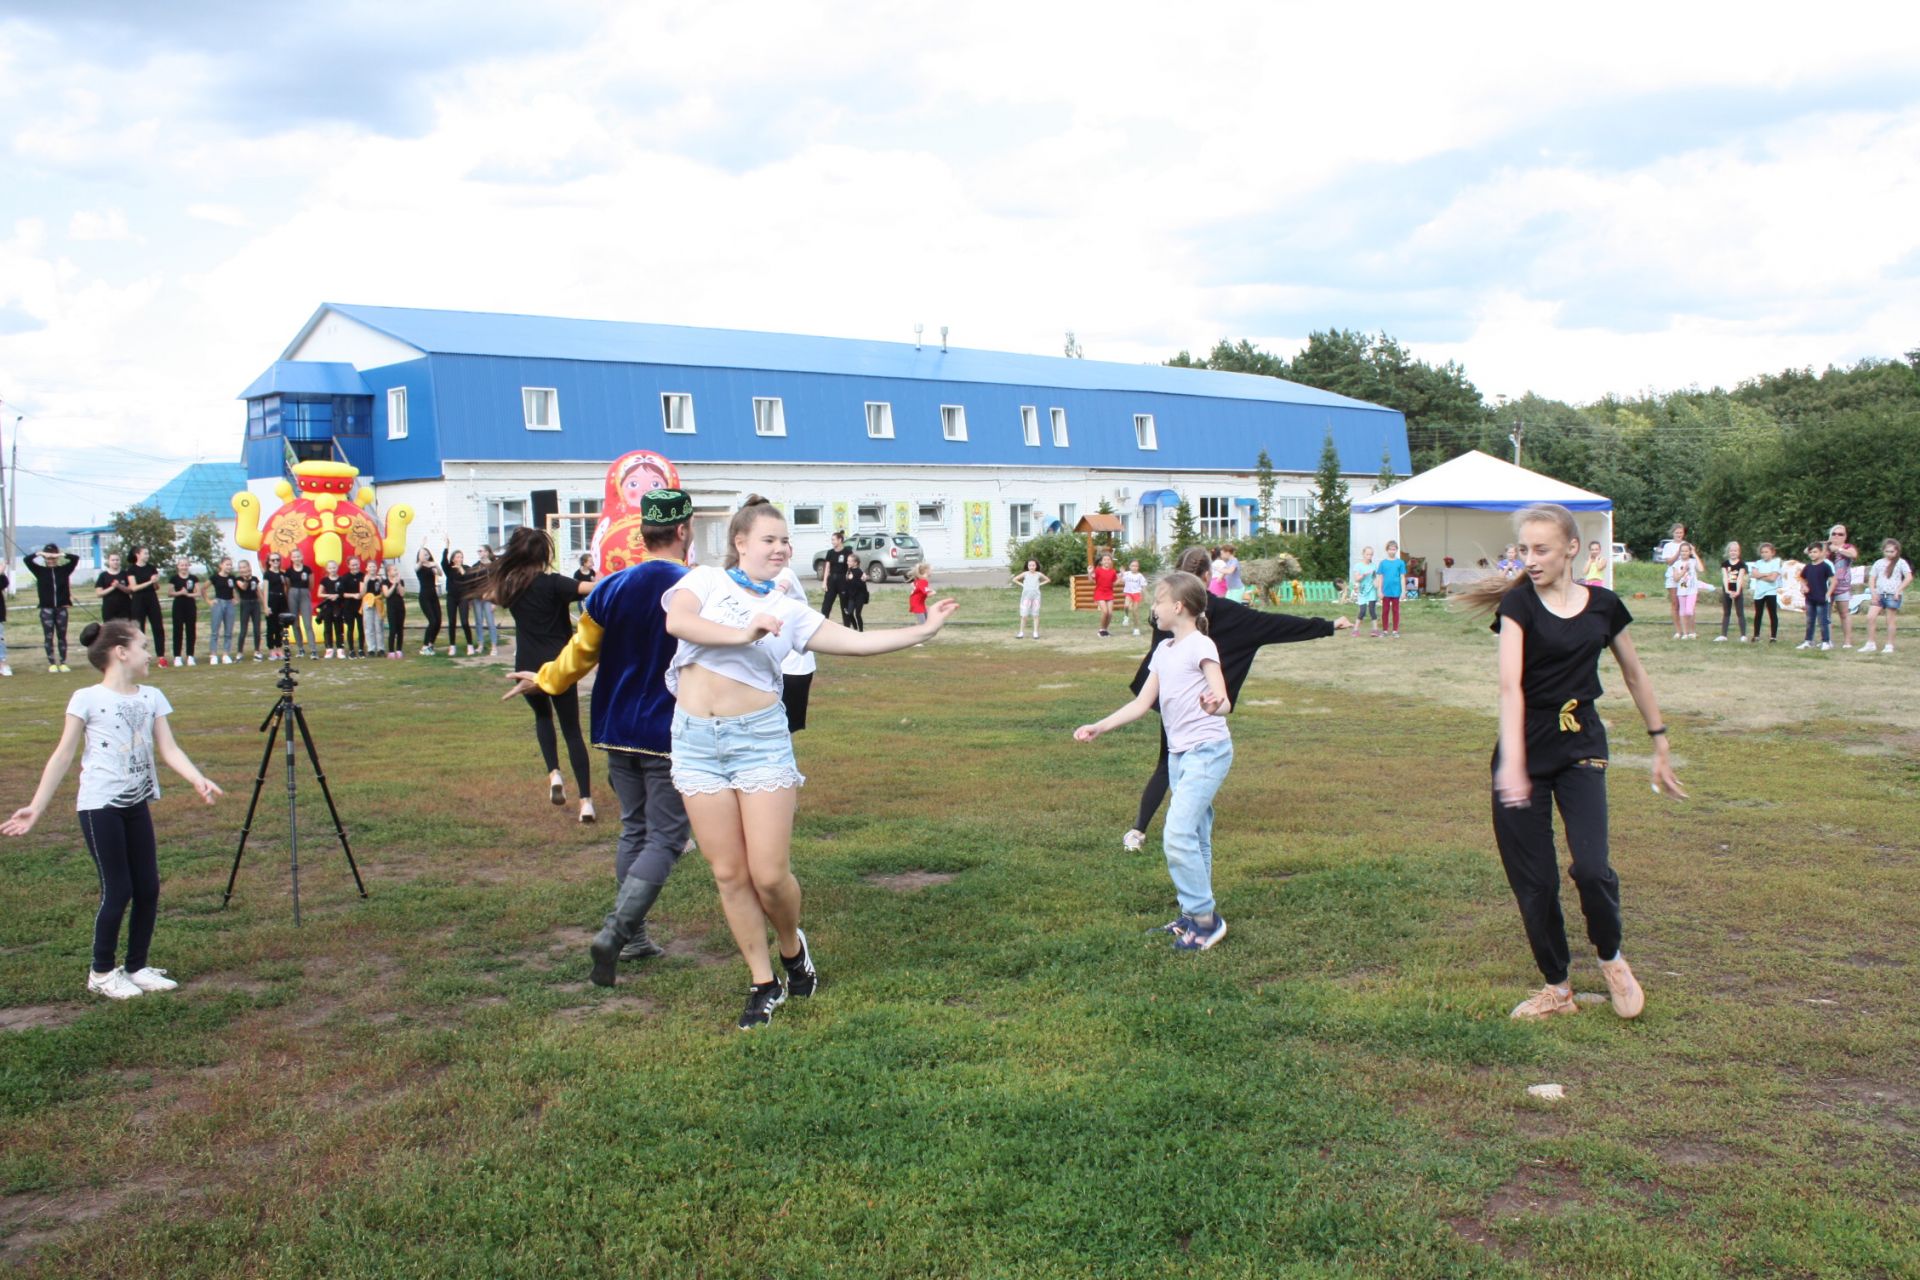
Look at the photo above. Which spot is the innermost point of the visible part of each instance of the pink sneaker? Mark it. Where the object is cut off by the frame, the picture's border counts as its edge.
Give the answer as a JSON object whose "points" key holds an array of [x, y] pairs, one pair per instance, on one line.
{"points": [[1623, 990], [1545, 1003]]}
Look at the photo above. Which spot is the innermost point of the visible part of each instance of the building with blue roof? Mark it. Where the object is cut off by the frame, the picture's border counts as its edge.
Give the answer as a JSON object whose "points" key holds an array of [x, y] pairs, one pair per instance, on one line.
{"points": [[483, 422], [203, 489]]}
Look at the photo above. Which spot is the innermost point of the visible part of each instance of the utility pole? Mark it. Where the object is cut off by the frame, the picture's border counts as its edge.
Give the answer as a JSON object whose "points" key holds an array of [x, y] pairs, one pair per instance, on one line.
{"points": [[1519, 429]]}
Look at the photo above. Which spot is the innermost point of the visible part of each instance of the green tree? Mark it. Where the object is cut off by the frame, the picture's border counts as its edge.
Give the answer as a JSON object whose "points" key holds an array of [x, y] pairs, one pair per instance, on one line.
{"points": [[1264, 482], [1183, 531], [1327, 532], [142, 526], [1387, 477], [201, 542]]}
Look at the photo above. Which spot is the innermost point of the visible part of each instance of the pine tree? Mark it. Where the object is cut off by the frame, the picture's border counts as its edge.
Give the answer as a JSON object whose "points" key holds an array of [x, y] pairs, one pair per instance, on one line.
{"points": [[1386, 477], [1327, 527], [1183, 531], [1263, 479]]}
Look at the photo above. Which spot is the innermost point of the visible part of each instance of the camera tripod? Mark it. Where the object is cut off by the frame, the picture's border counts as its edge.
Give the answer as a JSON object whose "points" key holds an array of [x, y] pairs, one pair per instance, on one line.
{"points": [[280, 722]]}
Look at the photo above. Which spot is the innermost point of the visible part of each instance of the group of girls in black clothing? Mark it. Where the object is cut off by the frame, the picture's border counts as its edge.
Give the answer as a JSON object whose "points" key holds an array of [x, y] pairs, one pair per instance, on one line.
{"points": [[362, 612]]}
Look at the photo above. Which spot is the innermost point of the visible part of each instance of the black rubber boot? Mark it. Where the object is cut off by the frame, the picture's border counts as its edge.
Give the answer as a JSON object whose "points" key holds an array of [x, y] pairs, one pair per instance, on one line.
{"points": [[627, 922], [640, 946]]}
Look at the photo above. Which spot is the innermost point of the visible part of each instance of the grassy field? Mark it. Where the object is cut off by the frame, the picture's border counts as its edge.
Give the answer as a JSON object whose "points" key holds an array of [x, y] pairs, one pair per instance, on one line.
{"points": [[1003, 1075]]}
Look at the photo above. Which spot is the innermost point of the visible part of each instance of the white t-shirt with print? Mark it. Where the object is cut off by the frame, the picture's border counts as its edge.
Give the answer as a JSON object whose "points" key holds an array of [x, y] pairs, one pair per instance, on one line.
{"points": [[726, 602], [799, 662], [1133, 584], [1892, 583], [117, 768]]}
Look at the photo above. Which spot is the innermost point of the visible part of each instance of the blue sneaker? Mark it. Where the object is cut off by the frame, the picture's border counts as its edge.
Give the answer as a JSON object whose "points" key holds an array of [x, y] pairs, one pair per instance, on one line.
{"points": [[1176, 926], [1196, 938]]}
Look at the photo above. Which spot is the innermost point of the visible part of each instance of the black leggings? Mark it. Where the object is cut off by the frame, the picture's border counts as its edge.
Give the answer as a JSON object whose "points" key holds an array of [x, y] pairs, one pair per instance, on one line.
{"points": [[1771, 606], [121, 843], [329, 628], [430, 610], [249, 612], [1155, 793], [353, 627], [146, 615], [850, 615], [396, 625], [462, 621], [1525, 837], [186, 628], [1734, 609], [567, 708], [53, 629]]}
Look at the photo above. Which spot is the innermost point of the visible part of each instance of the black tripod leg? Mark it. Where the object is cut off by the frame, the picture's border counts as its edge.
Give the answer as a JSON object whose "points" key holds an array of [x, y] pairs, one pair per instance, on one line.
{"points": [[306, 736], [271, 727]]}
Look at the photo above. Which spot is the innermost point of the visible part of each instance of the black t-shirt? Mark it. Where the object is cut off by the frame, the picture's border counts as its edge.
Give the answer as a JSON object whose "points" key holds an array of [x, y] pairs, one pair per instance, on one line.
{"points": [[583, 575], [1562, 655], [141, 574], [543, 620], [300, 580], [429, 584], [222, 585], [332, 587], [277, 589], [54, 581], [247, 588], [1730, 571], [115, 604], [837, 562], [189, 583], [1818, 577]]}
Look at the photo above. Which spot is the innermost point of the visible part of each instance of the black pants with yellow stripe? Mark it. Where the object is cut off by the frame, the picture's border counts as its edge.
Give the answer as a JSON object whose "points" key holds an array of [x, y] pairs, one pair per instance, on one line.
{"points": [[1578, 787]]}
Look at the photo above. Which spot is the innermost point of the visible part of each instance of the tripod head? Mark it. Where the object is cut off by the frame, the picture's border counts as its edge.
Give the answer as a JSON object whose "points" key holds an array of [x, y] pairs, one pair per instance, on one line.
{"points": [[286, 684]]}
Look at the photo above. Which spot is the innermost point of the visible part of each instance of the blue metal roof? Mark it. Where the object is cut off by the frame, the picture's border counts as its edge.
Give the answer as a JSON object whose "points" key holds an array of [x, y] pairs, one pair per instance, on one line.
{"points": [[203, 489], [478, 333], [307, 377]]}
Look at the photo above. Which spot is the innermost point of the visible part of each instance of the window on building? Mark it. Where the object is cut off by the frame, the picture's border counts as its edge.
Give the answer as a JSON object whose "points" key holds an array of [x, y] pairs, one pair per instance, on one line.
{"points": [[1059, 417], [676, 412], [870, 515], [933, 513], [1020, 521], [808, 515], [576, 534], [1290, 513], [256, 419], [541, 408], [1069, 512], [953, 421], [769, 416], [504, 515], [1030, 425], [1215, 519], [1143, 431], [879, 420], [396, 413]]}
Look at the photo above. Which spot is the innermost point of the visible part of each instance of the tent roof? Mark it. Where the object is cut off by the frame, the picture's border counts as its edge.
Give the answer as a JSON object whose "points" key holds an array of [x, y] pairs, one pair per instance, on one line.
{"points": [[1479, 480]]}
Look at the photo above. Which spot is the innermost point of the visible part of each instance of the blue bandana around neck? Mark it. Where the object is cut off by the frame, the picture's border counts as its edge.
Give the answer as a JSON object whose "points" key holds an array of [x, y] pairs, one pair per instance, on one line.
{"points": [[758, 588]]}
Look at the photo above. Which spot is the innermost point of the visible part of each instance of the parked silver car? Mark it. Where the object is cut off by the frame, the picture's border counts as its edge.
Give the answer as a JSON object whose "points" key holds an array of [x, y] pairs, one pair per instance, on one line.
{"points": [[880, 555]]}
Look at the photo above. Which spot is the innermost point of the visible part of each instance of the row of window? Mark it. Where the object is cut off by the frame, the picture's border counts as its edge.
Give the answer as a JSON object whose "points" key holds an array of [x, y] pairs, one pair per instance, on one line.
{"points": [[540, 409]]}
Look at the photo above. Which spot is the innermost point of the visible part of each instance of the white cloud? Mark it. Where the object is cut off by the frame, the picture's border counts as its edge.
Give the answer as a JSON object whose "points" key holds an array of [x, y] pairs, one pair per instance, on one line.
{"points": [[224, 215], [102, 224]]}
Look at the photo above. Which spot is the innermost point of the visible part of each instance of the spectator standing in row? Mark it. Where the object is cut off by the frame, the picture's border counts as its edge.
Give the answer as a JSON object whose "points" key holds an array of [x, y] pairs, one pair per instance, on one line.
{"points": [[1765, 575], [246, 588], [1887, 584], [1841, 554], [53, 579], [224, 609], [1393, 577], [183, 588], [1816, 576], [1733, 593], [141, 583], [110, 588]]}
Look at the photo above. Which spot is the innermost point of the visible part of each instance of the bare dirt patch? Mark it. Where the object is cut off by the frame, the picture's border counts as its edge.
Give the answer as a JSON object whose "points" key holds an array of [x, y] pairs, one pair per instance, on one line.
{"points": [[645, 1006], [32, 1218], [31, 1017], [1872, 960], [693, 946], [1536, 1191], [1693, 1154], [1883, 1099], [909, 881]]}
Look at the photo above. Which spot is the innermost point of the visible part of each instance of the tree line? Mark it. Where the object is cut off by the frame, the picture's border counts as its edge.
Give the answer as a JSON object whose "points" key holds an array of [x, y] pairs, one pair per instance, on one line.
{"points": [[1781, 456]]}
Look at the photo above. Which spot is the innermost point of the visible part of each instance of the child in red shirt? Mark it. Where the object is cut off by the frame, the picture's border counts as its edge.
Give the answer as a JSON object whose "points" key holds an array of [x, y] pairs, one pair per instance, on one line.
{"points": [[1104, 576], [917, 602]]}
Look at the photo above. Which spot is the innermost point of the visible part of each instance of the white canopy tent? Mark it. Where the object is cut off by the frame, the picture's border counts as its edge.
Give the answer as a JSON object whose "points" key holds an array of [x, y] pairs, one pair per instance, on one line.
{"points": [[1464, 508]]}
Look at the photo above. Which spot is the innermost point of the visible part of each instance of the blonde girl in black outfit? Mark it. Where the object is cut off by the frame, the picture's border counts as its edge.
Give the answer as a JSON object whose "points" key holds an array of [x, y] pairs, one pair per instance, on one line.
{"points": [[459, 600], [428, 594], [1552, 750]]}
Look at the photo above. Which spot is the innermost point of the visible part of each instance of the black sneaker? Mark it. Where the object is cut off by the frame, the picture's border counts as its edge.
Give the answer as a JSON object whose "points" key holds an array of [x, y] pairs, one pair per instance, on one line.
{"points": [[801, 978], [762, 999]]}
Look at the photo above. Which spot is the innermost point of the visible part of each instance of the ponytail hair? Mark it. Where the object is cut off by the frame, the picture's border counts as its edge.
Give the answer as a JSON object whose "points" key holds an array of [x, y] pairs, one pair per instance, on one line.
{"points": [[750, 513], [100, 639], [1483, 595], [1190, 593]]}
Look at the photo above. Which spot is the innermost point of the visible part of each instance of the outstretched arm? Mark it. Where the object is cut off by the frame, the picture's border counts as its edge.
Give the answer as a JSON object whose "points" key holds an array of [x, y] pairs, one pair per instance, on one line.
{"points": [[831, 637], [23, 819]]}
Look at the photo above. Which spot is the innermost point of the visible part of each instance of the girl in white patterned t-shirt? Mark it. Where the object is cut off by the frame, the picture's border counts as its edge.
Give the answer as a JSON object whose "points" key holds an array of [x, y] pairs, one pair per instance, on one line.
{"points": [[125, 727]]}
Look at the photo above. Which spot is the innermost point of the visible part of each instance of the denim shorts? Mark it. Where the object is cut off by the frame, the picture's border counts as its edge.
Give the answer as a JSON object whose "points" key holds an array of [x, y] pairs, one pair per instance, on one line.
{"points": [[753, 752], [1888, 602]]}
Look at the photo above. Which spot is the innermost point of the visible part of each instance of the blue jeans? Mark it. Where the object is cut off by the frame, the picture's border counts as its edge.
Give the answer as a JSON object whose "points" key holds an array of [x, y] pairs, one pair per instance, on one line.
{"points": [[220, 632], [487, 622], [1187, 837], [1823, 612]]}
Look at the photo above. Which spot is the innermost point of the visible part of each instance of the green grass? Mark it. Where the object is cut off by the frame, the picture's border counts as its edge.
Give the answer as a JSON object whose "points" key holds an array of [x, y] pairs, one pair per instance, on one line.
{"points": [[1004, 1075]]}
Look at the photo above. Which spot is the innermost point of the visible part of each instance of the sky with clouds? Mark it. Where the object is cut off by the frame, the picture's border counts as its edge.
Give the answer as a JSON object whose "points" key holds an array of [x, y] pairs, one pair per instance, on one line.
{"points": [[1641, 197]]}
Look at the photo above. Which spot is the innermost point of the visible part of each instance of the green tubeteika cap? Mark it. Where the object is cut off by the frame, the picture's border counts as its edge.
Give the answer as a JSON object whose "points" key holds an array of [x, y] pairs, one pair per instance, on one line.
{"points": [[666, 507]]}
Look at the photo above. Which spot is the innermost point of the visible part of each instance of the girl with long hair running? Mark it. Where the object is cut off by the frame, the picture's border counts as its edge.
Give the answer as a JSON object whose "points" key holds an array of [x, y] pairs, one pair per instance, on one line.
{"points": [[732, 751], [541, 603], [424, 572], [1552, 750]]}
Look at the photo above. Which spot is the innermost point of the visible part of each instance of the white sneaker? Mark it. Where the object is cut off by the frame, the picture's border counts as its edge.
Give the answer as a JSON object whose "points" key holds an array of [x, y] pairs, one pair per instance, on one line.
{"points": [[5, 670], [1869, 647], [1134, 841], [1888, 649], [1825, 647], [152, 979], [1136, 631], [114, 986], [1721, 639], [1678, 636], [1804, 644], [1846, 646]]}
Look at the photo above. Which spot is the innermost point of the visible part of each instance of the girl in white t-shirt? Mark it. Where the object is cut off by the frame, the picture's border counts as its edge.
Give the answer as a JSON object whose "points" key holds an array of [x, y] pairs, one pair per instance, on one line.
{"points": [[125, 727], [1030, 581], [1133, 589], [1887, 582], [1185, 679], [732, 750]]}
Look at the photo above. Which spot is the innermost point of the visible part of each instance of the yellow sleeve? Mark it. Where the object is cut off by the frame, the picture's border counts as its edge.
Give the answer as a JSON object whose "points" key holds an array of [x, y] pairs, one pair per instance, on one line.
{"points": [[580, 656]]}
